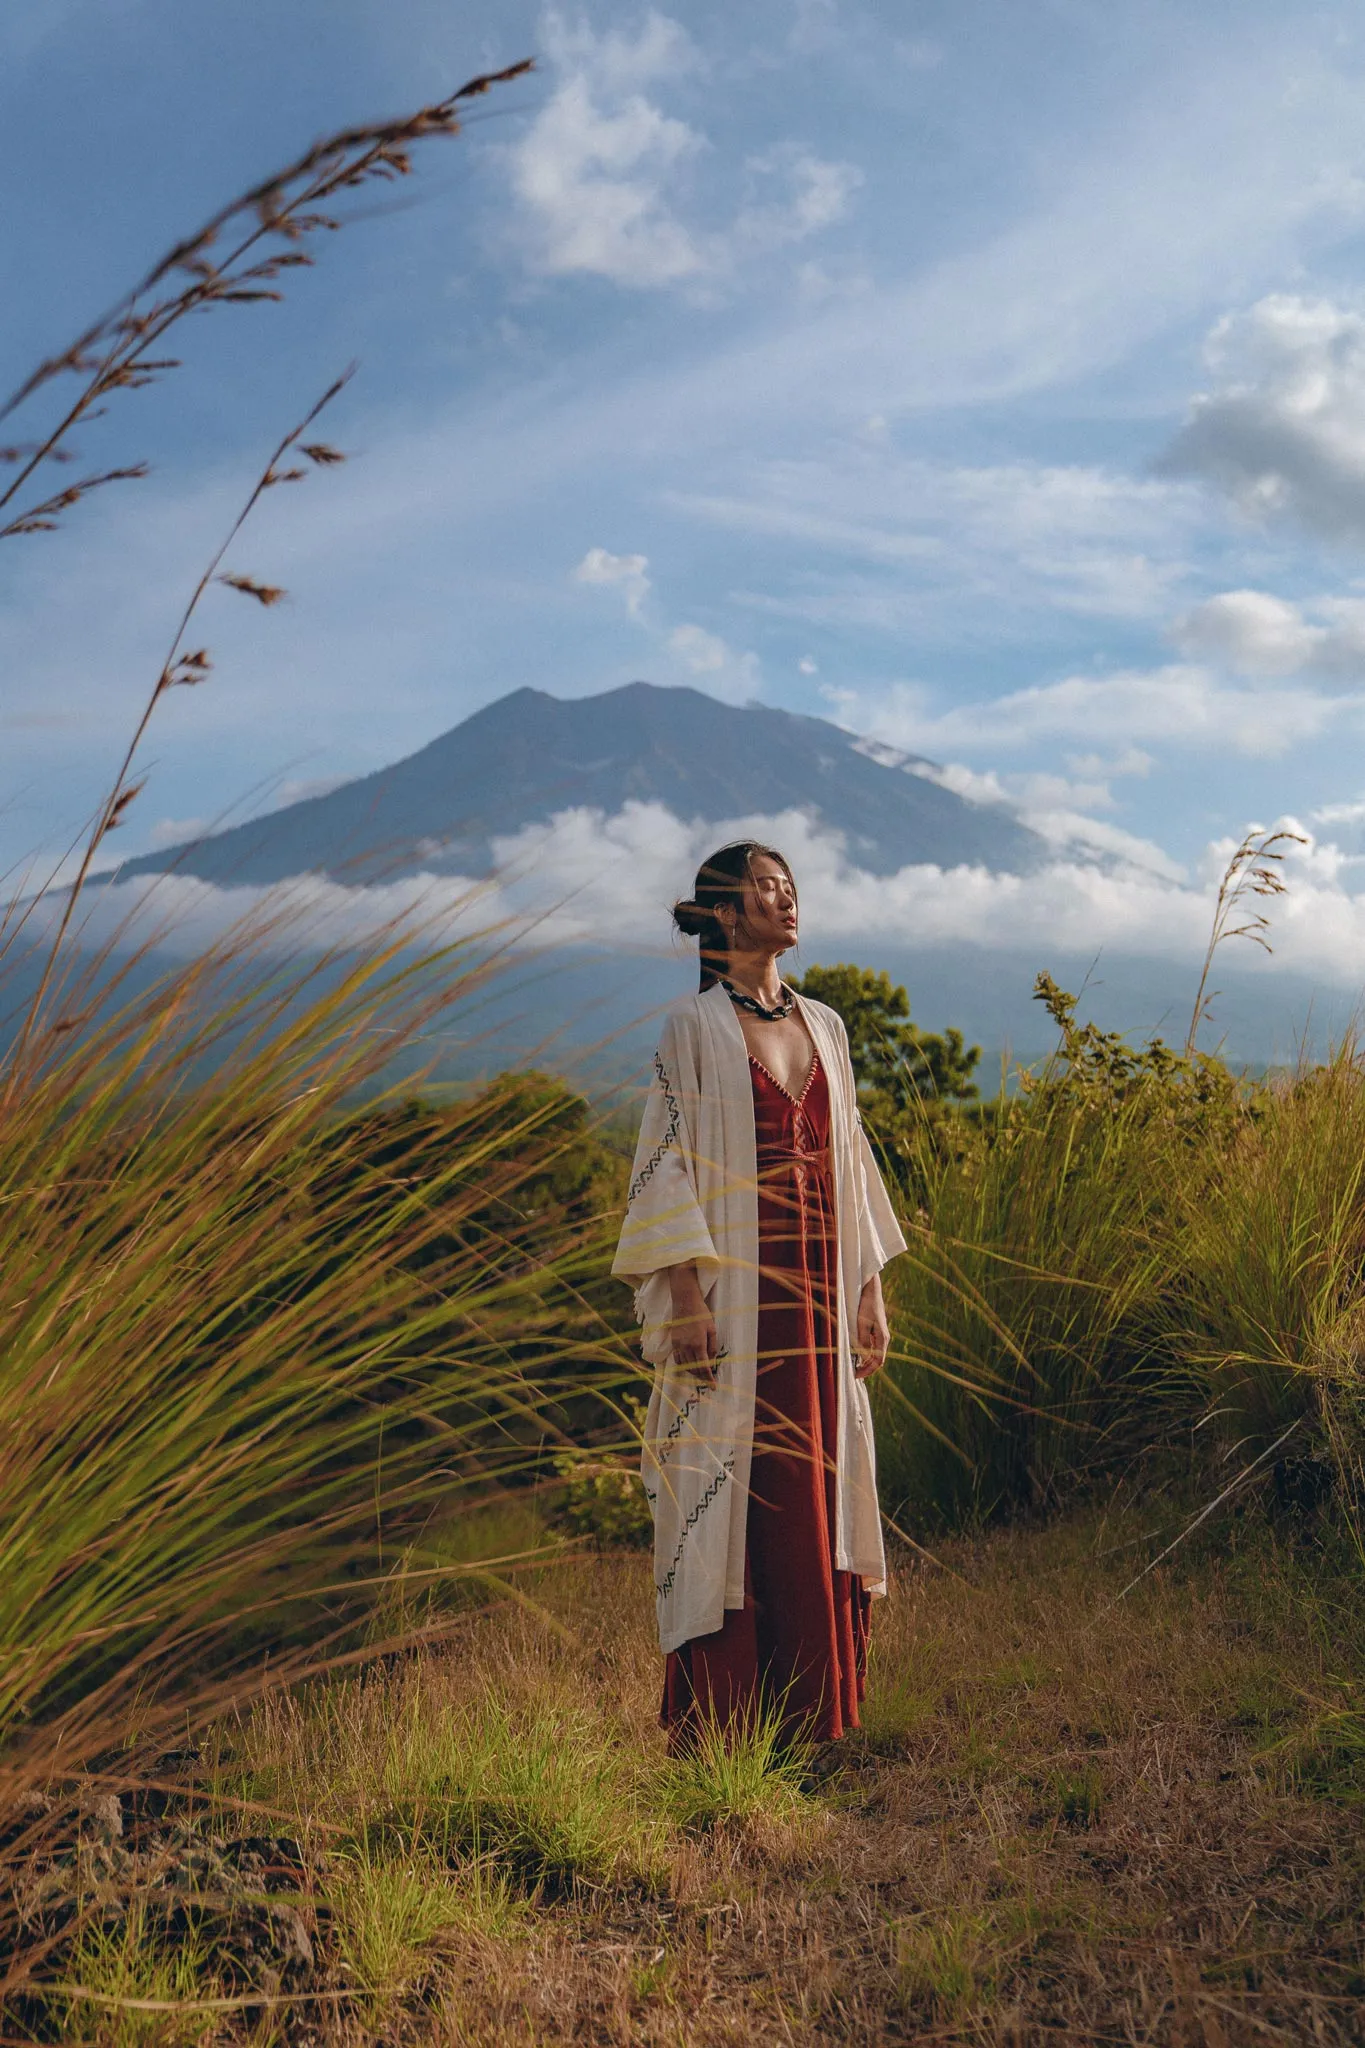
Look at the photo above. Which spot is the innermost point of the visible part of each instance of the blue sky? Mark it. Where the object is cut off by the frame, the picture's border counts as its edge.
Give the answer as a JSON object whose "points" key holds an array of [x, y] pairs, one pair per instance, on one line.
{"points": [[990, 377]]}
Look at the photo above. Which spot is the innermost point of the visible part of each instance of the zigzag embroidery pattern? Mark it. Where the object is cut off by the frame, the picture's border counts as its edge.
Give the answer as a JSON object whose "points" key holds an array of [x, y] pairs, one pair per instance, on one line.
{"points": [[669, 1137], [675, 1427], [665, 1586]]}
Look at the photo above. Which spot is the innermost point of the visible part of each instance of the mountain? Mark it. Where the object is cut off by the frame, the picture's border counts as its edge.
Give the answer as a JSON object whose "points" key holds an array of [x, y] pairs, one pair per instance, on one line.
{"points": [[529, 755]]}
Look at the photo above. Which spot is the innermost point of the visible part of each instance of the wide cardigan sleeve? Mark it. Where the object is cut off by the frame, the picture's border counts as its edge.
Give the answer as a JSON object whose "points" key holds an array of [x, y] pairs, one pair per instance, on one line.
{"points": [[880, 1236], [664, 1225]]}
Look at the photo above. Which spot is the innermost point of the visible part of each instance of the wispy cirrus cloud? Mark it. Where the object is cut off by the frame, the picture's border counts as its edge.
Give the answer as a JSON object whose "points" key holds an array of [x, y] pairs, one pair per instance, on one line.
{"points": [[1180, 704], [897, 535]]}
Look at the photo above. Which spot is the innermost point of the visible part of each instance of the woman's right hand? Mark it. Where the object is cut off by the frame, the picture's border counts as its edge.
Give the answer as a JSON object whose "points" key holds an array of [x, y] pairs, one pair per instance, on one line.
{"points": [[693, 1327]]}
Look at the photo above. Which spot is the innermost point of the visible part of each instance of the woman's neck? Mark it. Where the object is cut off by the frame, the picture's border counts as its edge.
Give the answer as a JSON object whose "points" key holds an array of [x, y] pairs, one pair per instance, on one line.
{"points": [[755, 974]]}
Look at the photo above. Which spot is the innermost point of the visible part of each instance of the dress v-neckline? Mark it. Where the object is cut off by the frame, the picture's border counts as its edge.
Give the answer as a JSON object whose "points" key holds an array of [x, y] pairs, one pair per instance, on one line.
{"points": [[797, 1101]]}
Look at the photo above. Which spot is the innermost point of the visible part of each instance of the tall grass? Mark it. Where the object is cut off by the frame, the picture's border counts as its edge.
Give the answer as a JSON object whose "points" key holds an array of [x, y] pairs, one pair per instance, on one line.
{"points": [[1020, 1310], [1140, 1252], [1264, 1301], [243, 1358], [246, 1356]]}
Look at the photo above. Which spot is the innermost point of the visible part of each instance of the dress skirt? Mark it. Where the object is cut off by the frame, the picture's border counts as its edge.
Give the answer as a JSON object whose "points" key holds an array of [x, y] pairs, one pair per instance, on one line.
{"points": [[799, 1643]]}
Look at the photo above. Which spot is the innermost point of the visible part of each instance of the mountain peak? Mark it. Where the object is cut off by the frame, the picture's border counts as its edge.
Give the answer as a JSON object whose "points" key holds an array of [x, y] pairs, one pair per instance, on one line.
{"points": [[528, 755]]}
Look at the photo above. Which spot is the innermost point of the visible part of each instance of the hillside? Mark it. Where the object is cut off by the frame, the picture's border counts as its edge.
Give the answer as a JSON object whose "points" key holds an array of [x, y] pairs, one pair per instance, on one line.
{"points": [[529, 755]]}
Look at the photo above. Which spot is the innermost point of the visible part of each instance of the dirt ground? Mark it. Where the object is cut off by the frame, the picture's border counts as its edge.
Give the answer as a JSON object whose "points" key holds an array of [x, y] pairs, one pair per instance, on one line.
{"points": [[1068, 1818]]}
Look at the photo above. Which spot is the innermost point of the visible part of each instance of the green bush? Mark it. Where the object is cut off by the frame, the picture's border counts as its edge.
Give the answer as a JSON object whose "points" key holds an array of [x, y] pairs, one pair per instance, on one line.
{"points": [[603, 1497]]}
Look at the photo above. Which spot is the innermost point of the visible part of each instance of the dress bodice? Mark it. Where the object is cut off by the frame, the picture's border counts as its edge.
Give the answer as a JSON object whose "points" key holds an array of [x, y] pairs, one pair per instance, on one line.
{"points": [[791, 1133]]}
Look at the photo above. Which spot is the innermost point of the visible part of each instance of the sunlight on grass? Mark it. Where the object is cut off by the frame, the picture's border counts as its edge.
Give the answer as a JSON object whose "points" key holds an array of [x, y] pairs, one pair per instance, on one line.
{"points": [[752, 1770], [387, 1909], [139, 1960], [895, 1708], [943, 1962], [544, 1799]]}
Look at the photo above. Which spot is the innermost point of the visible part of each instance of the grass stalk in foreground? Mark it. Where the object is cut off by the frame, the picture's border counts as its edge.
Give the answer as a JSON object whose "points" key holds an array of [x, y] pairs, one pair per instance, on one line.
{"points": [[243, 1358]]}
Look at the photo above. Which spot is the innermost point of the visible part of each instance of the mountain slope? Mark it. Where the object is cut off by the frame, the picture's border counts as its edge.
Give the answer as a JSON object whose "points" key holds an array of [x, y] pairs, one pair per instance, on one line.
{"points": [[520, 760]]}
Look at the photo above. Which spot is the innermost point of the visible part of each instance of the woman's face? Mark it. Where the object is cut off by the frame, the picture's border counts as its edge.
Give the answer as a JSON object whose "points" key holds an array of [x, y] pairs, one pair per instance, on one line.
{"points": [[769, 907]]}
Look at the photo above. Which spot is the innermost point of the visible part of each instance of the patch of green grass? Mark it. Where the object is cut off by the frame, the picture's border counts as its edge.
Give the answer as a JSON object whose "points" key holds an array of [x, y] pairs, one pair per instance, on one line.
{"points": [[952, 1963], [1076, 1796], [1017, 1674], [1326, 1760], [750, 1771], [977, 1759], [140, 1986], [387, 1909], [650, 1981], [943, 1963], [895, 1709], [542, 1794], [547, 1796], [1263, 1702]]}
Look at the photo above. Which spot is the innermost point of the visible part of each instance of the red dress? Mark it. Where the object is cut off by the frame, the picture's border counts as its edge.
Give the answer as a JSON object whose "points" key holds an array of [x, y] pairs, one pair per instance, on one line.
{"points": [[800, 1639]]}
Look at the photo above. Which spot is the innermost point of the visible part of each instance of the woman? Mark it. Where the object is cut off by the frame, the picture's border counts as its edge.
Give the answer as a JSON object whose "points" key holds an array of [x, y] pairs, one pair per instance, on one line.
{"points": [[755, 1232]]}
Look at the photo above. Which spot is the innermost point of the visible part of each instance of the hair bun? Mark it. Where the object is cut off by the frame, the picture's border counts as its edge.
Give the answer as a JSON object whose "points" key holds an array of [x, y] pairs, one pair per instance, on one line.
{"points": [[690, 918]]}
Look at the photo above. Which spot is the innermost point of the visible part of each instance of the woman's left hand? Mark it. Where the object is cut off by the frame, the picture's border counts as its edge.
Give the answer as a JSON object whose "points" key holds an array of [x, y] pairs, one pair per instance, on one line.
{"points": [[873, 1334]]}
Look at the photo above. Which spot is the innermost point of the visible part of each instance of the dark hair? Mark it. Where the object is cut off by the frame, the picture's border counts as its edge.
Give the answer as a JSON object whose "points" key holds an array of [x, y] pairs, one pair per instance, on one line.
{"points": [[721, 879]]}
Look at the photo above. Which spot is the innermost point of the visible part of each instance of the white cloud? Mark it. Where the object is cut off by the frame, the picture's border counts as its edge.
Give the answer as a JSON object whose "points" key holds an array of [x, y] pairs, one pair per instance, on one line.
{"points": [[728, 674], [1341, 814], [177, 831], [297, 789], [1283, 427], [600, 174], [701, 650], [918, 53], [1100, 257], [586, 876], [1255, 634], [815, 26], [626, 573], [687, 649], [1074, 831], [816, 195], [593, 170], [1182, 704], [1057, 809], [1130, 761]]}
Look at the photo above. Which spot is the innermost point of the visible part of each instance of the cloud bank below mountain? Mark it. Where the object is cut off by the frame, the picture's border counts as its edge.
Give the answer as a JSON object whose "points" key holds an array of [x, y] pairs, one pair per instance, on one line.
{"points": [[588, 877]]}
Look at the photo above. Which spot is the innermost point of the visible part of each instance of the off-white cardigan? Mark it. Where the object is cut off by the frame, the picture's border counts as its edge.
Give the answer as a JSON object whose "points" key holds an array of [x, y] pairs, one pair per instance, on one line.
{"points": [[693, 1196]]}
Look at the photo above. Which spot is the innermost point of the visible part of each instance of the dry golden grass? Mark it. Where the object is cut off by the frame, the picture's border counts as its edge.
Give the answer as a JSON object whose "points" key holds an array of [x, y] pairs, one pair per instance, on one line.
{"points": [[1064, 1820]]}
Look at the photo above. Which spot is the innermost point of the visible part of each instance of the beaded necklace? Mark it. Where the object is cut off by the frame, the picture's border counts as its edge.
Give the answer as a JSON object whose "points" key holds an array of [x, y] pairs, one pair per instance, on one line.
{"points": [[776, 1015]]}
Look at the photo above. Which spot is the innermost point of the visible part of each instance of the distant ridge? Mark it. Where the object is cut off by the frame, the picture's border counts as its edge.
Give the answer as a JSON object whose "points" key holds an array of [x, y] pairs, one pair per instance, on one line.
{"points": [[529, 755]]}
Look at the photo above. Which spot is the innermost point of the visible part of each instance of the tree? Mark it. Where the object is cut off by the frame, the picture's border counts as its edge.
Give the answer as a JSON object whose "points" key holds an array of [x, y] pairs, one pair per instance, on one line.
{"points": [[895, 1063]]}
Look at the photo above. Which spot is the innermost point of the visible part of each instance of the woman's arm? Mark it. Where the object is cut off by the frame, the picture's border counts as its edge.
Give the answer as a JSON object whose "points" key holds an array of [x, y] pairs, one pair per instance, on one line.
{"points": [[693, 1326], [873, 1332]]}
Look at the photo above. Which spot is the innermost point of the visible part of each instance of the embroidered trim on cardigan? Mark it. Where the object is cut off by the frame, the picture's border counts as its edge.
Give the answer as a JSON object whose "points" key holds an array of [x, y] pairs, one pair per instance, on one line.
{"points": [[665, 1586], [669, 1137], [675, 1428], [664, 1450]]}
